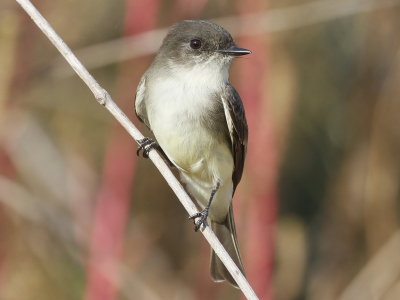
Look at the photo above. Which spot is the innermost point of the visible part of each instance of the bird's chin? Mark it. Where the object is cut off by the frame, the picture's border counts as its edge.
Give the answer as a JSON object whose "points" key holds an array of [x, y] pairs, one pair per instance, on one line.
{"points": [[216, 60]]}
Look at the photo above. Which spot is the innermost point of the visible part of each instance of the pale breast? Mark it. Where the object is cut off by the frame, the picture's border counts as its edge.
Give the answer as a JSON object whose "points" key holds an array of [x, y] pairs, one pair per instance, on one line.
{"points": [[184, 115]]}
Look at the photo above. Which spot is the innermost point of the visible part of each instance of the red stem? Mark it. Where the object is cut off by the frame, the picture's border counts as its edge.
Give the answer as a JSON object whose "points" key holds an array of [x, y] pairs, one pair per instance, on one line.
{"points": [[20, 77], [262, 163], [111, 212]]}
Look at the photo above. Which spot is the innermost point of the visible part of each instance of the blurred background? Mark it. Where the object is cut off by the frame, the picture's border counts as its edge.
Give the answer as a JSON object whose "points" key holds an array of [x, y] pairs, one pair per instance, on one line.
{"points": [[317, 211]]}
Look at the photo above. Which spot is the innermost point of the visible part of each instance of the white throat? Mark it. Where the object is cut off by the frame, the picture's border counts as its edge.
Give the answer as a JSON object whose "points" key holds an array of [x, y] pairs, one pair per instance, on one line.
{"points": [[184, 91], [211, 73]]}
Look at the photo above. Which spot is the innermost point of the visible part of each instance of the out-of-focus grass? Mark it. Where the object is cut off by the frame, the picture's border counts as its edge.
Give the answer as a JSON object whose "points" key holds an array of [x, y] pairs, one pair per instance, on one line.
{"points": [[333, 94]]}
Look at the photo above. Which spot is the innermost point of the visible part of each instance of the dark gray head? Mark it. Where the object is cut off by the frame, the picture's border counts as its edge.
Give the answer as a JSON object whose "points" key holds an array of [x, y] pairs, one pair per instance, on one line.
{"points": [[194, 41]]}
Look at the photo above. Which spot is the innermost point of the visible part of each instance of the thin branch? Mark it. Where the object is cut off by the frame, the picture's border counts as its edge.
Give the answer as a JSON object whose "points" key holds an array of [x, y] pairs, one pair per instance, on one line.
{"points": [[378, 275], [105, 99], [271, 21]]}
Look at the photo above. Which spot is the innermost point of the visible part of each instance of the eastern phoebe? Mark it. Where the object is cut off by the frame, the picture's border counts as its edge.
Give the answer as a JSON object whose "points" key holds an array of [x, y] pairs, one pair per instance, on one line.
{"points": [[197, 117]]}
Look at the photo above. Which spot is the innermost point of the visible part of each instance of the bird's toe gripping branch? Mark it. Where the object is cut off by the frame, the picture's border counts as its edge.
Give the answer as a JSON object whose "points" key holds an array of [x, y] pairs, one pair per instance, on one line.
{"points": [[202, 215], [145, 145]]}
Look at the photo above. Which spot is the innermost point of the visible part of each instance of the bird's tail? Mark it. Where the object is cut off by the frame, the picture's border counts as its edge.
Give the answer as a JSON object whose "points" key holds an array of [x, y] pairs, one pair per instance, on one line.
{"points": [[226, 233]]}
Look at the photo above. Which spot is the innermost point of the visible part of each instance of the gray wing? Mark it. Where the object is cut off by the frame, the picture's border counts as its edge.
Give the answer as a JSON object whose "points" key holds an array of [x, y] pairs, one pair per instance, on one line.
{"points": [[140, 105], [237, 126]]}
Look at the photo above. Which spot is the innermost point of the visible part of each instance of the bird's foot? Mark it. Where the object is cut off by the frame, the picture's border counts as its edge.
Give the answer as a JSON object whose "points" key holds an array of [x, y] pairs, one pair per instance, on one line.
{"points": [[145, 145], [202, 215]]}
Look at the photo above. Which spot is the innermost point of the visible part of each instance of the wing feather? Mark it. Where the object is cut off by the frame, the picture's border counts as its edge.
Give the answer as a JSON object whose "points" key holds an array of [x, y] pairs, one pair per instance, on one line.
{"points": [[237, 126], [140, 106]]}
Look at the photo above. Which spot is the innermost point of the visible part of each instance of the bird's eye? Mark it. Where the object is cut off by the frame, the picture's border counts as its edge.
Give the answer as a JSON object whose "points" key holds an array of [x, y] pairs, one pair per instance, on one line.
{"points": [[195, 44]]}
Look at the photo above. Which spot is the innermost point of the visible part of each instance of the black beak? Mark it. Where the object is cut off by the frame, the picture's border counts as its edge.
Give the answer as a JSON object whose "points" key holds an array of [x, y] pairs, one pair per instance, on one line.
{"points": [[234, 51]]}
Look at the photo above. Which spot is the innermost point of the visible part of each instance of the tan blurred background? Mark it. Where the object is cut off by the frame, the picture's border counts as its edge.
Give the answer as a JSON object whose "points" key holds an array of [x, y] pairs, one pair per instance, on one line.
{"points": [[318, 207]]}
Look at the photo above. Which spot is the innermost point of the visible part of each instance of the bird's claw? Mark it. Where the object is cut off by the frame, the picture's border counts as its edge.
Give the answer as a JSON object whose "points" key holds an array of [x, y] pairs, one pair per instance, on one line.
{"points": [[202, 215], [145, 145]]}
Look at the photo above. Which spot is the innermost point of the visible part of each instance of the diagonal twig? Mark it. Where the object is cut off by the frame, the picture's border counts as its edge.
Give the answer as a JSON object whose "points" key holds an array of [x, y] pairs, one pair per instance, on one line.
{"points": [[105, 99], [378, 275]]}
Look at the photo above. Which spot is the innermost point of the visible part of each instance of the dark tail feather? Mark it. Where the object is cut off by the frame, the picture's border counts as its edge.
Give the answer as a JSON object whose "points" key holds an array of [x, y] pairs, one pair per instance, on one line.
{"points": [[226, 233]]}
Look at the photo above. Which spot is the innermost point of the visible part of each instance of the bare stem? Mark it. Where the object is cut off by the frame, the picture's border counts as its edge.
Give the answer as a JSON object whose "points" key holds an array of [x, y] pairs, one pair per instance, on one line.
{"points": [[105, 99]]}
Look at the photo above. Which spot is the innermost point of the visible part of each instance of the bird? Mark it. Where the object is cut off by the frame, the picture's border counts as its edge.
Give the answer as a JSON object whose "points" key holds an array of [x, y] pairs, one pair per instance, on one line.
{"points": [[198, 120]]}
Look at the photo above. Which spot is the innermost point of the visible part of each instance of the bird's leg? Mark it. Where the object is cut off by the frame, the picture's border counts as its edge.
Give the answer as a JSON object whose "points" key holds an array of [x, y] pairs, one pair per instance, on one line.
{"points": [[202, 215], [146, 144]]}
